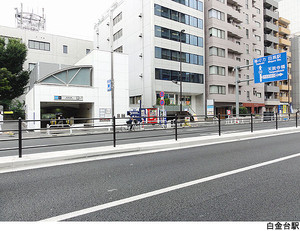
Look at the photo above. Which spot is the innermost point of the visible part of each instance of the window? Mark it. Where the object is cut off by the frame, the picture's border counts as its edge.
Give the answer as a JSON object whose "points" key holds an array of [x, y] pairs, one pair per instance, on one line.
{"points": [[214, 89], [215, 51], [38, 45], [248, 82], [223, 1], [117, 19], [195, 4], [118, 35], [119, 49], [216, 70], [214, 32], [247, 49], [31, 66], [162, 53], [247, 33], [212, 13], [247, 18], [135, 99], [258, 95], [257, 24], [258, 51], [169, 75], [257, 38], [178, 16], [87, 51], [65, 49], [247, 4]]}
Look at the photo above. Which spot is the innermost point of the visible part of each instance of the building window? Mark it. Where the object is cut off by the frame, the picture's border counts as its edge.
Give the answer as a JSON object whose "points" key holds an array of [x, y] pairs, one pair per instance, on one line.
{"points": [[223, 1], [87, 51], [212, 13], [166, 33], [65, 49], [117, 19], [258, 95], [118, 35], [216, 70], [258, 38], [214, 89], [31, 66], [257, 24], [258, 51], [119, 49], [214, 32], [216, 51], [135, 99], [38, 45], [247, 49], [169, 75], [247, 18], [177, 16], [162, 53], [247, 33], [195, 4], [248, 82]]}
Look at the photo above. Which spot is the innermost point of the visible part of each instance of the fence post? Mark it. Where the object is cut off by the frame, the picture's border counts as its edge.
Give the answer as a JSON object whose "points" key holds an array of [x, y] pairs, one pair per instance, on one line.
{"points": [[176, 132], [20, 137], [114, 131], [251, 122], [219, 124], [276, 121]]}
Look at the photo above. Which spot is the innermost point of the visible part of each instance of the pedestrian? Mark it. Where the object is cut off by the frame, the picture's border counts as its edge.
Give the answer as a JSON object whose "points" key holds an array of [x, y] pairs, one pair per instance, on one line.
{"points": [[130, 121]]}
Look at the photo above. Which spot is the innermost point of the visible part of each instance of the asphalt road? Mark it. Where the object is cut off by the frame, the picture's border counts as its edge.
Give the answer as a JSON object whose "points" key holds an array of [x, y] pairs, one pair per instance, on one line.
{"points": [[262, 193], [36, 143]]}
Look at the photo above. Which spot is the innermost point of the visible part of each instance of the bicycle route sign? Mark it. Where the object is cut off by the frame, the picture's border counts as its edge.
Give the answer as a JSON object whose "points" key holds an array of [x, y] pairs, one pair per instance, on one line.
{"points": [[270, 68]]}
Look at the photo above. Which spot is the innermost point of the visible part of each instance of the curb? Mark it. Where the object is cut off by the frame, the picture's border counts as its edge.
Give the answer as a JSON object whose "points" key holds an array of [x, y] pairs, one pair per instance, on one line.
{"points": [[52, 157]]}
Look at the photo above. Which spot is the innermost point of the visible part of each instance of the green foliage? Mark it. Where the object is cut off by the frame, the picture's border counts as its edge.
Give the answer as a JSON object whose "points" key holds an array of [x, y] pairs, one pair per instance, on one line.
{"points": [[17, 107], [243, 111], [13, 79]]}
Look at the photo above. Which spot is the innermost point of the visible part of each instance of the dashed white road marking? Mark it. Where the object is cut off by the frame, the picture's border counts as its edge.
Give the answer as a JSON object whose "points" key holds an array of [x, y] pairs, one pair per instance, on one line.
{"points": [[164, 190]]}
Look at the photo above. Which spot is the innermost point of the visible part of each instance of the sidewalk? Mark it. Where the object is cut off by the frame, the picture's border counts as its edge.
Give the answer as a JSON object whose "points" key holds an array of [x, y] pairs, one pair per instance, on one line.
{"points": [[155, 146]]}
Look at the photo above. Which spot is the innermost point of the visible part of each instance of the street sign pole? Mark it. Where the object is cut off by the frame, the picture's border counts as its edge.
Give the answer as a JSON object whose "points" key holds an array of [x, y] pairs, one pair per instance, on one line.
{"points": [[237, 92]]}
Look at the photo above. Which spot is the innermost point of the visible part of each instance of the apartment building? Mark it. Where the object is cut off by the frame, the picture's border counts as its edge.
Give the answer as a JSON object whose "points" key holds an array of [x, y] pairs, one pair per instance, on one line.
{"points": [[290, 9], [48, 48], [164, 40], [285, 94], [271, 42], [234, 37], [295, 70]]}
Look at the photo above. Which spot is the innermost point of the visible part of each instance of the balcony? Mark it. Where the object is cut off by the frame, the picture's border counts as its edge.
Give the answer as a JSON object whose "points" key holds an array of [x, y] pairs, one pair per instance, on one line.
{"points": [[271, 14], [285, 42], [235, 31], [272, 101], [284, 31], [233, 47], [285, 99], [288, 53], [285, 88], [271, 38], [270, 51], [271, 26], [271, 89], [271, 3], [284, 21]]}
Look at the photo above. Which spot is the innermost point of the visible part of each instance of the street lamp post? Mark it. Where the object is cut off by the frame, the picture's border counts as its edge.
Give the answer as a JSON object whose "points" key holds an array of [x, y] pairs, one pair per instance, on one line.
{"points": [[180, 60]]}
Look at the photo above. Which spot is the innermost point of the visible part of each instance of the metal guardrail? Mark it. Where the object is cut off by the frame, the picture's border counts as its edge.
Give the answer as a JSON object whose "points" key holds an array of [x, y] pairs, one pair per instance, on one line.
{"points": [[181, 125]]}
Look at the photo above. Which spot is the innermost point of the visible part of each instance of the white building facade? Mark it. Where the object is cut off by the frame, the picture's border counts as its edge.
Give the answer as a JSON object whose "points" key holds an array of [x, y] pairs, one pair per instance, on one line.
{"points": [[81, 90], [149, 32], [48, 48]]}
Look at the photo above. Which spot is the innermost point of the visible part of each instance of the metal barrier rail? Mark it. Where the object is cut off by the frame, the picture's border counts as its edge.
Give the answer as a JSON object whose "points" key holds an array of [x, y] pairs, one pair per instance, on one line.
{"points": [[113, 126]]}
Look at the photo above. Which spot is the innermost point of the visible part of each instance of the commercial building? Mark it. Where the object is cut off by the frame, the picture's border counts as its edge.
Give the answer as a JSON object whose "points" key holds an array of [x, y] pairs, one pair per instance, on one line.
{"points": [[48, 48], [164, 40], [234, 37]]}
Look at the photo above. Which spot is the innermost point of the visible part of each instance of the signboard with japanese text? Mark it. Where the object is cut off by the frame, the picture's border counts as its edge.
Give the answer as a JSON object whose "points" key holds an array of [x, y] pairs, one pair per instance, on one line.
{"points": [[270, 68]]}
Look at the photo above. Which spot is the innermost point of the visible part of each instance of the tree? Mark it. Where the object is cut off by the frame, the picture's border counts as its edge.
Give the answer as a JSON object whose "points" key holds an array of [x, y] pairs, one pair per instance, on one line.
{"points": [[14, 79]]}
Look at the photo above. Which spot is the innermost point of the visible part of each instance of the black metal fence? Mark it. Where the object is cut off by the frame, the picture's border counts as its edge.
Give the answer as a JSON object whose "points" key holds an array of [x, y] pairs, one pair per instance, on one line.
{"points": [[46, 135]]}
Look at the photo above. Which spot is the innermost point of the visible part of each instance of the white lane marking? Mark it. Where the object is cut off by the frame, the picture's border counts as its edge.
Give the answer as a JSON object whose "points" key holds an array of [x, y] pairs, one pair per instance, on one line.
{"points": [[164, 190]]}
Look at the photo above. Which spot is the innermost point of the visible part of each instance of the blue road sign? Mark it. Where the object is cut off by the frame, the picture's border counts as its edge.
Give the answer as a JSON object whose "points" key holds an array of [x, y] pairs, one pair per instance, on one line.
{"points": [[270, 68], [108, 85]]}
